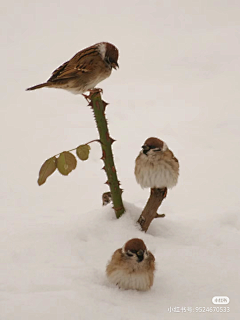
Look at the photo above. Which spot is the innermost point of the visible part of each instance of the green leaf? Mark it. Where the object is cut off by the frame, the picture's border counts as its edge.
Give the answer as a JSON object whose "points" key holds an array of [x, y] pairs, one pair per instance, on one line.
{"points": [[66, 162], [83, 152], [46, 170]]}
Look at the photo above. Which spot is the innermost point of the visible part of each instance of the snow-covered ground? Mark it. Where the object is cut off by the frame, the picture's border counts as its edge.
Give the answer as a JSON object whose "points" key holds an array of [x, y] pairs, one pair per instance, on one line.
{"points": [[179, 81]]}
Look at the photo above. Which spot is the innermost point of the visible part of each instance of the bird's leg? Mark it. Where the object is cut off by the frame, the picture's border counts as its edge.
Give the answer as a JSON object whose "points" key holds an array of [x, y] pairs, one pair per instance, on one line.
{"points": [[95, 90], [91, 92]]}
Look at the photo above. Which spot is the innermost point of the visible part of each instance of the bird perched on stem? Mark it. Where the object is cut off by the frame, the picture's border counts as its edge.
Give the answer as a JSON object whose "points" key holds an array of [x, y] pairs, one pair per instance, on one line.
{"points": [[156, 166], [85, 70], [132, 267]]}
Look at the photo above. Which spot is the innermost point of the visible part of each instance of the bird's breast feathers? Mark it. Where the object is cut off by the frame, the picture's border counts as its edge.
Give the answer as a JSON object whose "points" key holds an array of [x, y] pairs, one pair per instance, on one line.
{"points": [[155, 171], [135, 281]]}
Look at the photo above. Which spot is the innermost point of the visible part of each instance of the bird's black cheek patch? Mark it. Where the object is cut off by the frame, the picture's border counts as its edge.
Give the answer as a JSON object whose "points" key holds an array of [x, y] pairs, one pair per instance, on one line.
{"points": [[140, 259]]}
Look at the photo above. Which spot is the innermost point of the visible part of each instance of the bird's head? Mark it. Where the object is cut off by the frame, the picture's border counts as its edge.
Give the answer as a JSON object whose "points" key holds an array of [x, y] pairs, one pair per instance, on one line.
{"points": [[109, 54], [155, 145], [135, 250]]}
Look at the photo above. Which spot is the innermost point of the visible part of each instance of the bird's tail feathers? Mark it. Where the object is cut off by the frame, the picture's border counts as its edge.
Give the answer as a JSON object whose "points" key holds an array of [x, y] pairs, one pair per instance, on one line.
{"points": [[38, 86]]}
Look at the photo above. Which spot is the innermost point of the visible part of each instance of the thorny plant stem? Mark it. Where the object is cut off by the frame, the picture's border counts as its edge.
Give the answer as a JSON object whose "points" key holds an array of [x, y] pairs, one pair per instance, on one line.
{"points": [[98, 106]]}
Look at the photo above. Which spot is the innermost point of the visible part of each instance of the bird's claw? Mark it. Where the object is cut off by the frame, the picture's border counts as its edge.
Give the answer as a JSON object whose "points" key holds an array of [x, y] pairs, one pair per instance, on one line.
{"points": [[95, 90], [91, 92]]}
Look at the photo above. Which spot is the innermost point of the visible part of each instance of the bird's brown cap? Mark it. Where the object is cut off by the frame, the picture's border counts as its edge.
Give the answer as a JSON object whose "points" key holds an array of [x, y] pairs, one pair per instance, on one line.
{"points": [[135, 245], [154, 143]]}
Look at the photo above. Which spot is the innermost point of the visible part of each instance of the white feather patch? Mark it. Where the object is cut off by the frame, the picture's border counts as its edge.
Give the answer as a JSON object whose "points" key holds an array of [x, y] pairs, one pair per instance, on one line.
{"points": [[134, 281], [165, 147], [102, 49]]}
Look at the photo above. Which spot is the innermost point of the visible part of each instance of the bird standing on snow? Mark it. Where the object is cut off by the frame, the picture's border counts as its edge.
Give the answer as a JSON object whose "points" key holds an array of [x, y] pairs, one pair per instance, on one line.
{"points": [[85, 70], [132, 267], [156, 166]]}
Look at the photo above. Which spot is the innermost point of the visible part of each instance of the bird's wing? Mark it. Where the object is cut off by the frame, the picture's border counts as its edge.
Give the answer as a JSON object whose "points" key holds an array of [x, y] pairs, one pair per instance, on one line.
{"points": [[83, 62], [175, 159], [172, 156]]}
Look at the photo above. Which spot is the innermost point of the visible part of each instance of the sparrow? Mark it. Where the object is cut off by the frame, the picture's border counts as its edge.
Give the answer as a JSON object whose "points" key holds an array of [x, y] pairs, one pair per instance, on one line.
{"points": [[85, 70], [132, 266], [156, 166]]}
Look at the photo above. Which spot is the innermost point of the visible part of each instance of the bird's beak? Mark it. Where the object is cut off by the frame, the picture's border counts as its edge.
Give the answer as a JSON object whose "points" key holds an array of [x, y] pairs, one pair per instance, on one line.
{"points": [[140, 255], [115, 65]]}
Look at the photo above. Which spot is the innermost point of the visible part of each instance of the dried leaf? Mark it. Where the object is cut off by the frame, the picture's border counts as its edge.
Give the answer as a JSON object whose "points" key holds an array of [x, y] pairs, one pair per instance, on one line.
{"points": [[47, 169], [83, 152], [66, 162]]}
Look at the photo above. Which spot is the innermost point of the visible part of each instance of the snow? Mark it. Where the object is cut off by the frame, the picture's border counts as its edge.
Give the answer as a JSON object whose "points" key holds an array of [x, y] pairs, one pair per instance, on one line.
{"points": [[179, 81]]}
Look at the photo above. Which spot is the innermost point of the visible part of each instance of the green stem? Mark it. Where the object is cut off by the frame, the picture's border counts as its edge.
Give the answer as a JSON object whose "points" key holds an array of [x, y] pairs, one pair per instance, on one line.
{"points": [[96, 140], [98, 106]]}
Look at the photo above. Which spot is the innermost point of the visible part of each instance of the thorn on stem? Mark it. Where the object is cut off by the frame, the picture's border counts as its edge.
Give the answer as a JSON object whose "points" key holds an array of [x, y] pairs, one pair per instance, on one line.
{"points": [[103, 156], [112, 140], [104, 104], [86, 97]]}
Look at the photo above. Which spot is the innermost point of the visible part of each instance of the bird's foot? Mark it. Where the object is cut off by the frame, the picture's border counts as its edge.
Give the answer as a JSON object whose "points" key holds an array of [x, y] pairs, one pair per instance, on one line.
{"points": [[91, 92], [95, 90]]}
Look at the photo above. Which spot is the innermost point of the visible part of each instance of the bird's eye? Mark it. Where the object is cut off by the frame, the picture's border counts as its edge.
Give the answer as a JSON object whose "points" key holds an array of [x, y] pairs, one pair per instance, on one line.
{"points": [[129, 254], [157, 149]]}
